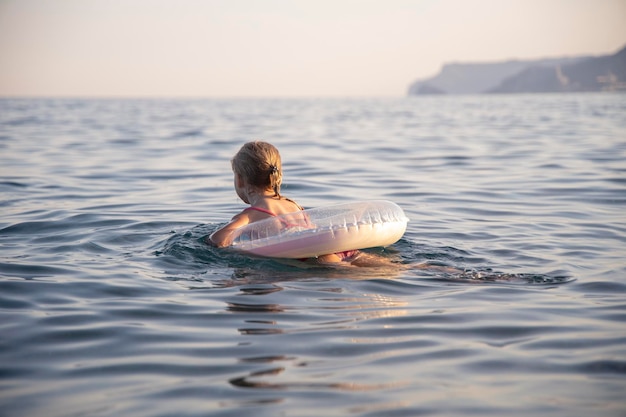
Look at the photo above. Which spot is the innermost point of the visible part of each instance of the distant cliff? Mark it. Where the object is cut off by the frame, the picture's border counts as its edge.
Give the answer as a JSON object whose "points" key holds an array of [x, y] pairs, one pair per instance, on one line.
{"points": [[603, 73]]}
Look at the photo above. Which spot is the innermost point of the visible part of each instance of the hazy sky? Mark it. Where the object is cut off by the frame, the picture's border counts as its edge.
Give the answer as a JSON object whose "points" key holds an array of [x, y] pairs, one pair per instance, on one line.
{"points": [[276, 48]]}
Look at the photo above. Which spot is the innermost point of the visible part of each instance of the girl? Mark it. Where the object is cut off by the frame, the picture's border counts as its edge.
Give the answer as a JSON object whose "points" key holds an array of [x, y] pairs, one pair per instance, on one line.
{"points": [[258, 176]]}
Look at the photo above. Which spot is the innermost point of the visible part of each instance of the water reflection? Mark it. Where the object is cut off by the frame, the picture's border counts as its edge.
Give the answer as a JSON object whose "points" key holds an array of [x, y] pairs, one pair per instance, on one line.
{"points": [[259, 379], [278, 270], [299, 316]]}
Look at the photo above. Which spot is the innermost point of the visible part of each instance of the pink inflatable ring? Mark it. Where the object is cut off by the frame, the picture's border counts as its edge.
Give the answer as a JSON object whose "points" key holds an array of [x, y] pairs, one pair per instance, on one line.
{"points": [[323, 230]]}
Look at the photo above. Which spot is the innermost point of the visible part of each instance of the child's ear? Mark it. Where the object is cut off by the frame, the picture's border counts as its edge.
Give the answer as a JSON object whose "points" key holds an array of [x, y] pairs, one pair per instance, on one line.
{"points": [[239, 181]]}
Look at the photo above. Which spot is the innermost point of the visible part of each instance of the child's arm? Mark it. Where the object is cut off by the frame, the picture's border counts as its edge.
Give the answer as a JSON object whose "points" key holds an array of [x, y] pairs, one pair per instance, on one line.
{"points": [[224, 236]]}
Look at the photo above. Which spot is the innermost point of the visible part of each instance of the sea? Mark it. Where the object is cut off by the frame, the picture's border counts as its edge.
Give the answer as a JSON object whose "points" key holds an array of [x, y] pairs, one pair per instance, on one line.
{"points": [[111, 304]]}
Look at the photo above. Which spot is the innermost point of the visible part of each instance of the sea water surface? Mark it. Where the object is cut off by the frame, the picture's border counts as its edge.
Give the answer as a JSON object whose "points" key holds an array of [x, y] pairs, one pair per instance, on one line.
{"points": [[112, 305]]}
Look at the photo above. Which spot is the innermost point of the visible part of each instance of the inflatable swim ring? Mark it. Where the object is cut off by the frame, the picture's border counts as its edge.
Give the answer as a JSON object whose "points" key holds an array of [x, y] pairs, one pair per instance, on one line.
{"points": [[324, 230]]}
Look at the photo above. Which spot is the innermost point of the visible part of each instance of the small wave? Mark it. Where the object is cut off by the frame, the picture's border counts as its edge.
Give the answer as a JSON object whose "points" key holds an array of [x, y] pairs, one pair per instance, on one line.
{"points": [[488, 275], [32, 270]]}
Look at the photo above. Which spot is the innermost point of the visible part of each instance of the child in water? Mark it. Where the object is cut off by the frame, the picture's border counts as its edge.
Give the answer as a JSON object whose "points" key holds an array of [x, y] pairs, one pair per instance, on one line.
{"points": [[258, 175]]}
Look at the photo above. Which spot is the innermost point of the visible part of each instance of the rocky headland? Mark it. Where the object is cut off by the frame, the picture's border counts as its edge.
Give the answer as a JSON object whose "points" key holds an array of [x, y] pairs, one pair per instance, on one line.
{"points": [[552, 75]]}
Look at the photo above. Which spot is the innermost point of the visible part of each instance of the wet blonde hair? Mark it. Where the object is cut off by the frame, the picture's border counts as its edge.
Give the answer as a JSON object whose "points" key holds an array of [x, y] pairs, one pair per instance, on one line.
{"points": [[258, 163]]}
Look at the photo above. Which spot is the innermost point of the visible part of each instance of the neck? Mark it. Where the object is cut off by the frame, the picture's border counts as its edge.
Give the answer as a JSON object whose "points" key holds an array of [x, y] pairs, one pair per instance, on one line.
{"points": [[255, 198]]}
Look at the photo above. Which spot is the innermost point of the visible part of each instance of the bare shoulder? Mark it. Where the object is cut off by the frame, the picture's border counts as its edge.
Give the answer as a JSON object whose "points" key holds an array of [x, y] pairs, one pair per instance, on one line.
{"points": [[298, 206], [285, 205]]}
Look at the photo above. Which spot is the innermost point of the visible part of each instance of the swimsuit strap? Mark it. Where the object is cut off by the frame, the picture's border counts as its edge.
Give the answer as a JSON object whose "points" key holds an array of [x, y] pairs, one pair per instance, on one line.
{"points": [[262, 210]]}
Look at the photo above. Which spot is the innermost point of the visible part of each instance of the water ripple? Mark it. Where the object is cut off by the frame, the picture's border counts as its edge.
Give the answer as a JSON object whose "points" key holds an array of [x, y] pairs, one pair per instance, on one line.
{"points": [[112, 304]]}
